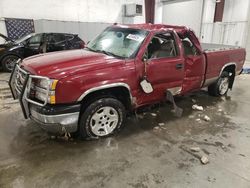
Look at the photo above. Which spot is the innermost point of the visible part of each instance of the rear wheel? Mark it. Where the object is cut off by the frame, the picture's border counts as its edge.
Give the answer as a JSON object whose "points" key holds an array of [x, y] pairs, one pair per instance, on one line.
{"points": [[220, 87], [8, 62], [102, 118]]}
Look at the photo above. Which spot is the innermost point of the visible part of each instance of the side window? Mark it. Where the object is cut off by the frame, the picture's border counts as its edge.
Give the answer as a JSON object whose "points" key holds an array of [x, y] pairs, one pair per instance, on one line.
{"points": [[70, 41], [189, 47], [69, 38], [162, 46], [56, 39], [74, 42], [36, 39], [50, 38]]}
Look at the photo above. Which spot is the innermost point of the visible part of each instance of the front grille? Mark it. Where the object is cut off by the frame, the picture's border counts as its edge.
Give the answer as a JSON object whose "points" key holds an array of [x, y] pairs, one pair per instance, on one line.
{"points": [[20, 79], [22, 85]]}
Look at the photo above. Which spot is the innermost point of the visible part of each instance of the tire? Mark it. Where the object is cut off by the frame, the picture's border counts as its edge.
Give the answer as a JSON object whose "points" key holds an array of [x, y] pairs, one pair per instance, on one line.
{"points": [[8, 62], [101, 118], [221, 86]]}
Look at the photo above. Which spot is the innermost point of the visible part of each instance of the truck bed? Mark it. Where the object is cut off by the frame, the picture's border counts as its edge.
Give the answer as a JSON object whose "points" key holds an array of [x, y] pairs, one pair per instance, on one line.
{"points": [[218, 56], [217, 47]]}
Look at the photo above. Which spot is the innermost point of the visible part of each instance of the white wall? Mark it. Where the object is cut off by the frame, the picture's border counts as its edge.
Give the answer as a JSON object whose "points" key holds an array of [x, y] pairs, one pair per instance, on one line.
{"points": [[232, 29], [108, 11], [186, 13], [209, 10], [235, 10], [2, 30], [85, 30], [66, 13], [158, 11], [208, 21]]}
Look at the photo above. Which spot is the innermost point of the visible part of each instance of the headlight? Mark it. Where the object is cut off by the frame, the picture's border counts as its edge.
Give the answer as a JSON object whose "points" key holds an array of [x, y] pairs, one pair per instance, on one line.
{"points": [[43, 83], [45, 90]]}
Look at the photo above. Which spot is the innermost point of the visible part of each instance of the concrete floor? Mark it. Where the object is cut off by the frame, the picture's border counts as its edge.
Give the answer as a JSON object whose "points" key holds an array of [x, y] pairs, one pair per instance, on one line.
{"points": [[140, 156]]}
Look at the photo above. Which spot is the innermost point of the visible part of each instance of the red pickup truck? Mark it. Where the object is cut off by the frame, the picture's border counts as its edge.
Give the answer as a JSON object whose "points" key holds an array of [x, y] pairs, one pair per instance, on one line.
{"points": [[90, 90]]}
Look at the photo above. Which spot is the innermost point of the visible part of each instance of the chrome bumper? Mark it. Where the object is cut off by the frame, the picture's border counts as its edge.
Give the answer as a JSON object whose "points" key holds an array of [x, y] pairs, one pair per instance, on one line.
{"points": [[60, 123]]}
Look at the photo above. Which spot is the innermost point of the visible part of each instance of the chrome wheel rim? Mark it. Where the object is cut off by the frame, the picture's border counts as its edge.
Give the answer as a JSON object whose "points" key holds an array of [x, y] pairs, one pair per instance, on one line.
{"points": [[10, 62], [224, 85], [104, 121]]}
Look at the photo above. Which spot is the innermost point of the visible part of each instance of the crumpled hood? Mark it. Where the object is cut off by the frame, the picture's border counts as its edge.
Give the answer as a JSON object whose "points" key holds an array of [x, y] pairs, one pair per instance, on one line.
{"points": [[58, 65]]}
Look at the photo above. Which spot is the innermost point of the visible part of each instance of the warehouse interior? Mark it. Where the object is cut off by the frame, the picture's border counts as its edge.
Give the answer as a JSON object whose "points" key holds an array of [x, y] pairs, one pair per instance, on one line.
{"points": [[206, 146]]}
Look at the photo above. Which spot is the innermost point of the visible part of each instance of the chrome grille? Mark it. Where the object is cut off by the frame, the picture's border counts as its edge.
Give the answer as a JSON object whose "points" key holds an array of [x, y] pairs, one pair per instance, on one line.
{"points": [[21, 84], [20, 79]]}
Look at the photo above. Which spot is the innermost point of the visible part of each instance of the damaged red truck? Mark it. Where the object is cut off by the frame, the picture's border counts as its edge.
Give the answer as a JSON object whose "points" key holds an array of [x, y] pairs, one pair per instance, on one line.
{"points": [[90, 90]]}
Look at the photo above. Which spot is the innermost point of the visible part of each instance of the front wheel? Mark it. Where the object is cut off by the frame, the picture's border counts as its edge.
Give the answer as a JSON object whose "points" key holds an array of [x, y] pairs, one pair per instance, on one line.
{"points": [[8, 62], [220, 87], [102, 118]]}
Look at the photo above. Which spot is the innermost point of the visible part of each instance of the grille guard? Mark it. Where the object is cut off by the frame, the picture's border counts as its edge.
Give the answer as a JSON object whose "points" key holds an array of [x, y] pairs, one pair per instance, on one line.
{"points": [[23, 93]]}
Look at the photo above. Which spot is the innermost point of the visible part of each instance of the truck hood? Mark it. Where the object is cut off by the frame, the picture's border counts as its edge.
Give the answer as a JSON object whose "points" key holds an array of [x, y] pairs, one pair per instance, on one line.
{"points": [[58, 65]]}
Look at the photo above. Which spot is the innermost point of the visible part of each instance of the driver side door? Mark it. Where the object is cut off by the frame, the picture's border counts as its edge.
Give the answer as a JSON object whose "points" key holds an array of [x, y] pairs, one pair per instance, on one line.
{"points": [[164, 67], [32, 46]]}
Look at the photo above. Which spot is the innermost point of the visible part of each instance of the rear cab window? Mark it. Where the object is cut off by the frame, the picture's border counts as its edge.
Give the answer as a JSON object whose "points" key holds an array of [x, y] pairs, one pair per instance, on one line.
{"points": [[189, 48]]}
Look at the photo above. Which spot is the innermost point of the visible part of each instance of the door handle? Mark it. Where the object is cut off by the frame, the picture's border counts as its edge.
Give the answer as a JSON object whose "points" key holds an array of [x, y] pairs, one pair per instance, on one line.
{"points": [[179, 66]]}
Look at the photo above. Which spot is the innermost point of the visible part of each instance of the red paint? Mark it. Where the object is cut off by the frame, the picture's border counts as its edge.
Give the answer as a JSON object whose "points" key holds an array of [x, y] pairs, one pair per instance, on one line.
{"points": [[80, 70]]}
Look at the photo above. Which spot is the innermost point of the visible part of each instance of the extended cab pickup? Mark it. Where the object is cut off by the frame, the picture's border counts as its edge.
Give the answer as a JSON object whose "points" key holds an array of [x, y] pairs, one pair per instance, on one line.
{"points": [[90, 90]]}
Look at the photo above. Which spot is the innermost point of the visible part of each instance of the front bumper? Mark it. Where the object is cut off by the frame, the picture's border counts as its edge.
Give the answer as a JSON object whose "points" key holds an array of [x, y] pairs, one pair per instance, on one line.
{"points": [[53, 118], [56, 119]]}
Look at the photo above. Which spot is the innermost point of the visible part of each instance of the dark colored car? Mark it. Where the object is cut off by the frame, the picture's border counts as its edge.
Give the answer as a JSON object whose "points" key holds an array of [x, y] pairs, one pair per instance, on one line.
{"points": [[33, 44]]}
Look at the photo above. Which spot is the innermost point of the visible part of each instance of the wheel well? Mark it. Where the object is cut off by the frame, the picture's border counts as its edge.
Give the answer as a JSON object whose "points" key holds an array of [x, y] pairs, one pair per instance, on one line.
{"points": [[121, 93], [231, 70]]}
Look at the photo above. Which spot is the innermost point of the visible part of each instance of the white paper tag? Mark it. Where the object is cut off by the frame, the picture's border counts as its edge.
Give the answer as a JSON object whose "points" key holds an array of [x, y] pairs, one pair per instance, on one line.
{"points": [[146, 86], [134, 37]]}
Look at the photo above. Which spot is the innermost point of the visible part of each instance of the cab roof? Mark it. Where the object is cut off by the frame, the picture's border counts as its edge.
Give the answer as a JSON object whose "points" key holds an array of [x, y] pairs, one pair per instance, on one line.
{"points": [[154, 27]]}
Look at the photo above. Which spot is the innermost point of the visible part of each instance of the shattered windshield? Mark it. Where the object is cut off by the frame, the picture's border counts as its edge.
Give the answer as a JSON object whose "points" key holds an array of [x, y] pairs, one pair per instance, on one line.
{"points": [[118, 42]]}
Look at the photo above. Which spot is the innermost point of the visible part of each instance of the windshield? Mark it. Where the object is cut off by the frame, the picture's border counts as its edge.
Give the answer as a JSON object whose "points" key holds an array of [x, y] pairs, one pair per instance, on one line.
{"points": [[24, 38], [120, 42]]}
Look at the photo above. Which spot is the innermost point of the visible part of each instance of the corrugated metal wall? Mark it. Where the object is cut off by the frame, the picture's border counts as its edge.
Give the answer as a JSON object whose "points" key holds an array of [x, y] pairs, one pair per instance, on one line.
{"points": [[232, 30]]}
